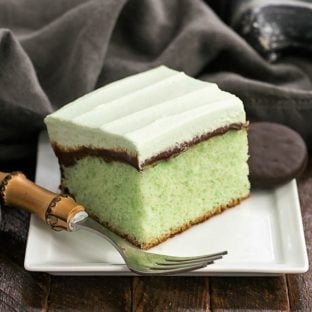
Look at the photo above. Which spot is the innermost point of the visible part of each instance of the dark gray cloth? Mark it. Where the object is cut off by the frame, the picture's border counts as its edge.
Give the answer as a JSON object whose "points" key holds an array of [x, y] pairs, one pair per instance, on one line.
{"points": [[52, 52]]}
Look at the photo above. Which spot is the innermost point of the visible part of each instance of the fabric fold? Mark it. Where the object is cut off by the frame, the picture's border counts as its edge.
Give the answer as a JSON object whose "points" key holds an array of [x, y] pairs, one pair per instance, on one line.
{"points": [[53, 52], [23, 103]]}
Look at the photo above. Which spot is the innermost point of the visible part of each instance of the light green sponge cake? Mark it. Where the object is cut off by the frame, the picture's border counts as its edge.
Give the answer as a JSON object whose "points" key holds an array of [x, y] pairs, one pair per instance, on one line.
{"points": [[152, 154]]}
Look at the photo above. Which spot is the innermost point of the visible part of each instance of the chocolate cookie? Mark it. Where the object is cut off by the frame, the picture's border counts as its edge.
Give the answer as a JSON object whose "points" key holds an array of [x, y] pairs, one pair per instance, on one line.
{"points": [[277, 154]]}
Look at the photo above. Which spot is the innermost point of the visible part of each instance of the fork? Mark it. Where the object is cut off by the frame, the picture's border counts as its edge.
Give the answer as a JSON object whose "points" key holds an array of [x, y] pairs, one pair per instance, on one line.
{"points": [[62, 212], [147, 263]]}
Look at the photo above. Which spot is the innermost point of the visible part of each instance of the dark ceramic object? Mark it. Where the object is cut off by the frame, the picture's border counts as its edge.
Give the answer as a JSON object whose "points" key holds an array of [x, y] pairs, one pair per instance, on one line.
{"points": [[272, 27]]}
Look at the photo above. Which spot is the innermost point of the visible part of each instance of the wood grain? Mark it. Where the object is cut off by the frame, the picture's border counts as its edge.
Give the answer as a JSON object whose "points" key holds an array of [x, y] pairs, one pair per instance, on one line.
{"points": [[107, 294], [300, 286], [25, 291], [21, 290], [275, 293], [170, 294], [249, 294]]}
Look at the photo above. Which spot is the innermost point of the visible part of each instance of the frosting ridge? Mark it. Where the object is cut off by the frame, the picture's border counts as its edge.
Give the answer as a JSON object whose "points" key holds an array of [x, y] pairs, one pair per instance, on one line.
{"points": [[145, 115]]}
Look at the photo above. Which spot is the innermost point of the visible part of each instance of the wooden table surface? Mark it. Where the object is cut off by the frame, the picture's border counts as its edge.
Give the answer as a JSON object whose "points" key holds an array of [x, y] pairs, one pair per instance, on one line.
{"points": [[25, 291]]}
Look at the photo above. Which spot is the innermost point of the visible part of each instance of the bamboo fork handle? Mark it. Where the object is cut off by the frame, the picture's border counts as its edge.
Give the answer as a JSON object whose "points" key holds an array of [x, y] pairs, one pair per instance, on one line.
{"points": [[56, 210]]}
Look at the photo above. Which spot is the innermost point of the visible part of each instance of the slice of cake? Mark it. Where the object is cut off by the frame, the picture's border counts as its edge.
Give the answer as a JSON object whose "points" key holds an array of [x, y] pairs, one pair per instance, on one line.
{"points": [[152, 154]]}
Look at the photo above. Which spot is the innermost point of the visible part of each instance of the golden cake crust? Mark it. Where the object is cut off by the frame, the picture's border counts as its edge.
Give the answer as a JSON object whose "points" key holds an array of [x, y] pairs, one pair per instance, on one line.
{"points": [[147, 245]]}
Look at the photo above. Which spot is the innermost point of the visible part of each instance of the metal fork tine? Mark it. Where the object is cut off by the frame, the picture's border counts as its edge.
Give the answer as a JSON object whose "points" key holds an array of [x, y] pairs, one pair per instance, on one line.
{"points": [[158, 271], [157, 266], [179, 266], [214, 256], [189, 261]]}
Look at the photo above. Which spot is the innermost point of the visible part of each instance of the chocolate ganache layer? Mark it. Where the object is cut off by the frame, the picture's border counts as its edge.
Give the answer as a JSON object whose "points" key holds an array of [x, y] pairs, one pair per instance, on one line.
{"points": [[69, 156]]}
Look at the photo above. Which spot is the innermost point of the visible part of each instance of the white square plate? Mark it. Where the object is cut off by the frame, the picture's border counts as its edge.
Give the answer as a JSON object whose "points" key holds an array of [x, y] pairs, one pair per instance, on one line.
{"points": [[263, 236]]}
